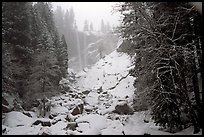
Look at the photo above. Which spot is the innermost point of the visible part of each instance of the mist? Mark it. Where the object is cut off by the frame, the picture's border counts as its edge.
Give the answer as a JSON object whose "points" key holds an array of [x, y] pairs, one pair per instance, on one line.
{"points": [[88, 28], [91, 11]]}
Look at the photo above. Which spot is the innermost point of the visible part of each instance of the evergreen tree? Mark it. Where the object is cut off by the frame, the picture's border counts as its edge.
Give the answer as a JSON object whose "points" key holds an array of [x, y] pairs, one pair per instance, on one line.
{"points": [[63, 58], [163, 44], [44, 71], [16, 44]]}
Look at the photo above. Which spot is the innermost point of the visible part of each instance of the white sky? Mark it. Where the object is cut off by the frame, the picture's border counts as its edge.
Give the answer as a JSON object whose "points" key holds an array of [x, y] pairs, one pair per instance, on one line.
{"points": [[91, 11]]}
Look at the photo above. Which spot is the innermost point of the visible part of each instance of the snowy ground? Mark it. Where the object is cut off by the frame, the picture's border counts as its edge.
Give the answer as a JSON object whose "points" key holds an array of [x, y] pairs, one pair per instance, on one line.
{"points": [[99, 89]]}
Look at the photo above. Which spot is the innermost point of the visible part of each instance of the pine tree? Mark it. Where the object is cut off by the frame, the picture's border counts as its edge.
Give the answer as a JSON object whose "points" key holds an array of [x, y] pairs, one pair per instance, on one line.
{"points": [[45, 71], [16, 39], [165, 59], [63, 58]]}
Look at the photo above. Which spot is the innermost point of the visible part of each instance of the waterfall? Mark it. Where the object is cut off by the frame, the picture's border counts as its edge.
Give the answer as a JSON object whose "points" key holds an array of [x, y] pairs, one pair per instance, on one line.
{"points": [[85, 51], [78, 49]]}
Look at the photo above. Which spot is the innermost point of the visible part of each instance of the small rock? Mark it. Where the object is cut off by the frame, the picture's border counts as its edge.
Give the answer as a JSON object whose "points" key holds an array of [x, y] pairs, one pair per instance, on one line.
{"points": [[81, 107], [68, 118], [146, 121], [72, 126], [27, 114], [100, 90], [86, 92], [55, 121], [88, 109], [51, 116], [4, 130], [44, 133], [105, 92], [37, 122]]}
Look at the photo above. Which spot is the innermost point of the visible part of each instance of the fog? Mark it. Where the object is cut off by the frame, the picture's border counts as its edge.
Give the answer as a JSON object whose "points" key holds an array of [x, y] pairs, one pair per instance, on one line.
{"points": [[91, 11], [88, 28]]}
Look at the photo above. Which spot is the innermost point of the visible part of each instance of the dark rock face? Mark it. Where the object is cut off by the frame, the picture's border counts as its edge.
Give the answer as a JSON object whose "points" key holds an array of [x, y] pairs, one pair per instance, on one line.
{"points": [[5, 105], [5, 109], [4, 101], [123, 109]]}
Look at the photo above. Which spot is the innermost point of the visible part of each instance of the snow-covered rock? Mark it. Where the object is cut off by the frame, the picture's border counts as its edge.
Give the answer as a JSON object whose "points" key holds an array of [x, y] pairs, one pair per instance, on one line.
{"points": [[123, 108], [15, 118]]}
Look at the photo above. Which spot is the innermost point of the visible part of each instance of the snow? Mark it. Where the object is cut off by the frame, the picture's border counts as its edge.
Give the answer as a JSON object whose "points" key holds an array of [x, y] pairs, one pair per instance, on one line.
{"points": [[105, 72], [110, 73], [113, 128], [14, 119], [96, 123], [57, 129], [59, 109], [92, 99]]}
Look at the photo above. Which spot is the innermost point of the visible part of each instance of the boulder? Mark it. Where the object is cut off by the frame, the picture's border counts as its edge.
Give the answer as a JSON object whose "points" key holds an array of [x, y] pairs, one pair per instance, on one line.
{"points": [[78, 110], [75, 111], [123, 108]]}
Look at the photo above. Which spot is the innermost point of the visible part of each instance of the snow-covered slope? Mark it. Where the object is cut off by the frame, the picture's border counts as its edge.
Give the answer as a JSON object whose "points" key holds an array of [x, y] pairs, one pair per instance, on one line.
{"points": [[110, 73], [89, 106]]}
